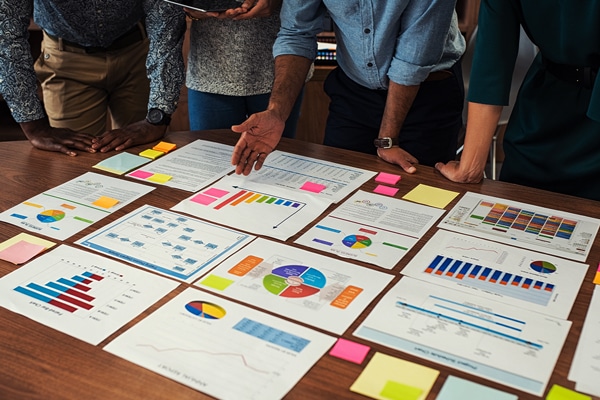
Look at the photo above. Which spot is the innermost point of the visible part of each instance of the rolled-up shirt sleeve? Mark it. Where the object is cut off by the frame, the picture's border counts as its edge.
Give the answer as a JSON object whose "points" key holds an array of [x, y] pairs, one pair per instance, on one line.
{"points": [[18, 82], [301, 21], [165, 24]]}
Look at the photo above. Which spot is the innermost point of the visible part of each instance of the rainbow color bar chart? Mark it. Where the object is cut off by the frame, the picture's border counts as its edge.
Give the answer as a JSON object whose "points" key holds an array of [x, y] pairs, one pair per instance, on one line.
{"points": [[493, 280], [69, 294], [249, 197], [503, 217]]}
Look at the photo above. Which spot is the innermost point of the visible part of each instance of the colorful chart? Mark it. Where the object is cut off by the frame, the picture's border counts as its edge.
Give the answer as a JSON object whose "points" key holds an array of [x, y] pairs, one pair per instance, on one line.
{"points": [[357, 241], [205, 310], [50, 216], [543, 267], [294, 281]]}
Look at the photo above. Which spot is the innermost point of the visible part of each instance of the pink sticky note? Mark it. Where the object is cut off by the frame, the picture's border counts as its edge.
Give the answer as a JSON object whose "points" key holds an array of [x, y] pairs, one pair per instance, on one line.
{"points": [[214, 192], [313, 187], [349, 351], [202, 199], [141, 174], [388, 191], [21, 252], [390, 179]]}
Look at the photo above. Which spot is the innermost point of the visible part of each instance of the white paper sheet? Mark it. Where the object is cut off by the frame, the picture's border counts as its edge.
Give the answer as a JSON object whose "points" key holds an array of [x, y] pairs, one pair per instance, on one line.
{"points": [[63, 211], [522, 278], [541, 229], [293, 171], [261, 209], [81, 294], [166, 242], [192, 166], [222, 348], [506, 344], [372, 228], [585, 368], [301, 285]]}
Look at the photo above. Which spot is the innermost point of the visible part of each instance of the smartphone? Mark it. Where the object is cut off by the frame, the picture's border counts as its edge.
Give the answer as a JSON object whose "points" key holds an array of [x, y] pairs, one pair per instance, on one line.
{"points": [[208, 5]]}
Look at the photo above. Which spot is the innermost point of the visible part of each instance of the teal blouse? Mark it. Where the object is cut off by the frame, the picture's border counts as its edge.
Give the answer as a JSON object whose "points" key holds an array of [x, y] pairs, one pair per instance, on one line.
{"points": [[552, 140]]}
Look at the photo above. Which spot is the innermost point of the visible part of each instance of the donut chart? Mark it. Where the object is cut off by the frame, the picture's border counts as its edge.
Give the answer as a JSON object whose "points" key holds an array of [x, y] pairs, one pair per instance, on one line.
{"points": [[543, 267], [205, 310], [294, 281], [357, 241], [50, 216]]}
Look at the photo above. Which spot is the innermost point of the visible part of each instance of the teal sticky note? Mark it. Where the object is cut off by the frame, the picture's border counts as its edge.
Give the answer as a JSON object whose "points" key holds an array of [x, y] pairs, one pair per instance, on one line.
{"points": [[461, 389], [121, 163]]}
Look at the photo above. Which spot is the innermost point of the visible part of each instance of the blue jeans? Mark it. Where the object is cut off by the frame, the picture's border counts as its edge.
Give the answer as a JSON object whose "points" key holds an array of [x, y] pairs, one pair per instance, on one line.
{"points": [[217, 111]]}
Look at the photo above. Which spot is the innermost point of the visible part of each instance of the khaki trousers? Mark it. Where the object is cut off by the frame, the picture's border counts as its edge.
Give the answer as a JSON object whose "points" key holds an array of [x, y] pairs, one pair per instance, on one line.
{"points": [[81, 91]]}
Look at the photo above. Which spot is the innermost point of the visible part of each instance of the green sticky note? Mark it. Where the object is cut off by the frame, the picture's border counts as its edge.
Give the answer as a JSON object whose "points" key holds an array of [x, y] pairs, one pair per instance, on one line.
{"points": [[216, 282], [558, 392], [399, 391]]}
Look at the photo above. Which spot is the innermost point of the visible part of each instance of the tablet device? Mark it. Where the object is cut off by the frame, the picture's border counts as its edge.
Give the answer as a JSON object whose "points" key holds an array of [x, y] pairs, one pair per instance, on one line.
{"points": [[208, 5]]}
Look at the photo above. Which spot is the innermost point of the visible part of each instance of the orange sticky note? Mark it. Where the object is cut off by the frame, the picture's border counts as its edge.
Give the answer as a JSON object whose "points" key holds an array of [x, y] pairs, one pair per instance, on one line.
{"points": [[165, 147], [105, 202]]}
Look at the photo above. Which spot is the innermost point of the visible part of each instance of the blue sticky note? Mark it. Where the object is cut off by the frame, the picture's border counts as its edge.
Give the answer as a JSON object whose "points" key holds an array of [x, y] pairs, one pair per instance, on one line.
{"points": [[461, 389], [121, 163]]}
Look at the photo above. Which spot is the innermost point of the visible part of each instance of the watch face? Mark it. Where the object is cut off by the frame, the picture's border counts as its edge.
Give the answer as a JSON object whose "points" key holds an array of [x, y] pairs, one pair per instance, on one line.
{"points": [[155, 116]]}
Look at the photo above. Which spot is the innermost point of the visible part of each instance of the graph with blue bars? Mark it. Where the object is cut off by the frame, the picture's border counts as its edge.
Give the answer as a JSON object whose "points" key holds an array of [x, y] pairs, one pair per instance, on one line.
{"points": [[492, 280]]}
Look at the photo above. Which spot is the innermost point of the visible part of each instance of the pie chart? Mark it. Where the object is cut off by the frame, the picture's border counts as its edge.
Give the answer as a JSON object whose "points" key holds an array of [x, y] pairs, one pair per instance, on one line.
{"points": [[205, 310], [356, 241], [294, 281], [50, 216], [543, 267]]}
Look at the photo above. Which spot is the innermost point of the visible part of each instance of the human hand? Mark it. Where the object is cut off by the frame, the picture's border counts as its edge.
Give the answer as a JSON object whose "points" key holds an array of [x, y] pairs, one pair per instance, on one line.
{"points": [[453, 171], [256, 9], [140, 132], [62, 140], [398, 156], [260, 135], [196, 15]]}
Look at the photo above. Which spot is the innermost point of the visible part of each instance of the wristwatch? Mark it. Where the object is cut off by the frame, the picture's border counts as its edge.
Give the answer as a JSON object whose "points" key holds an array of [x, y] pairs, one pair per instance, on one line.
{"points": [[385, 142], [156, 116]]}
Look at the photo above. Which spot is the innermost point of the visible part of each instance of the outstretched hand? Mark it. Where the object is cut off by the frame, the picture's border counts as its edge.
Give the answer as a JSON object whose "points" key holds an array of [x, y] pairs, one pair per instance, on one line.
{"points": [[260, 135], [61, 140], [398, 156]]}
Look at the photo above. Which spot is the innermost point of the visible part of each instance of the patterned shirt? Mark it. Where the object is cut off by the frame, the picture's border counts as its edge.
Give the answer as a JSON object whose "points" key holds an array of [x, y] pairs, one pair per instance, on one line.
{"points": [[89, 23]]}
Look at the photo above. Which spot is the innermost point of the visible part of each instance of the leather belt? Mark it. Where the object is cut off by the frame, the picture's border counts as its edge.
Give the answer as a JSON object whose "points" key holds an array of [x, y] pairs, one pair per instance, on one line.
{"points": [[134, 35], [583, 76]]}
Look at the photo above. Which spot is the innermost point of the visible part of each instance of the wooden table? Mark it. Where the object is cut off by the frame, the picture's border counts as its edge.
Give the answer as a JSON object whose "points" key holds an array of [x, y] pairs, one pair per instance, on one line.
{"points": [[40, 363]]}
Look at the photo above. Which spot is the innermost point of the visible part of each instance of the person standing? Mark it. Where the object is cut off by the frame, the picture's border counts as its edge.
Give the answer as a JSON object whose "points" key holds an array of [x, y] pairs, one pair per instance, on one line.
{"points": [[397, 91], [96, 59], [552, 140]]}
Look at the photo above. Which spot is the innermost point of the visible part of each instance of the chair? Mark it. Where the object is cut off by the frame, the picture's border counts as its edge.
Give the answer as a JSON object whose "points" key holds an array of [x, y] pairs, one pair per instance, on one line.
{"points": [[527, 52]]}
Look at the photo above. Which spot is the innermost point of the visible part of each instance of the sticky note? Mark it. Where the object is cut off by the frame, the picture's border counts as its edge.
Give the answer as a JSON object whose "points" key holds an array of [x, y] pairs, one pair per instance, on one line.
{"points": [[389, 179], [430, 196], [558, 392], [201, 198], [313, 187], [141, 174], [27, 238], [214, 192], [387, 190], [160, 178], [165, 147], [458, 388], [121, 163], [152, 154], [597, 277], [349, 351], [216, 282], [21, 252], [105, 202], [383, 374], [399, 391]]}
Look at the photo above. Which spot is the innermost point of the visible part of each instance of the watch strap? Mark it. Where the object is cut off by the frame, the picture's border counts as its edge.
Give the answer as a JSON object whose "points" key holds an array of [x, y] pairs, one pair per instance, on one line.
{"points": [[385, 142]]}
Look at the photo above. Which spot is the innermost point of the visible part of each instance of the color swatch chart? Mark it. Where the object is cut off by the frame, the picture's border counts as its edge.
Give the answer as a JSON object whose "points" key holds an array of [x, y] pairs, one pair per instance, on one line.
{"points": [[542, 229], [505, 283]]}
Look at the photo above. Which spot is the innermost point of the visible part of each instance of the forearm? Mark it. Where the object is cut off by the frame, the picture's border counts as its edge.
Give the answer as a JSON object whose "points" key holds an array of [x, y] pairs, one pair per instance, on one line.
{"points": [[399, 100], [290, 74], [482, 122]]}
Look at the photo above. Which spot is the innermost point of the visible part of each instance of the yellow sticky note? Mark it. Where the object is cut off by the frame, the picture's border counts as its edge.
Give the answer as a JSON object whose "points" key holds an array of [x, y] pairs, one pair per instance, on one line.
{"points": [[558, 392], [105, 202], [430, 196], [385, 374], [26, 238], [216, 282], [159, 178], [152, 154], [165, 147]]}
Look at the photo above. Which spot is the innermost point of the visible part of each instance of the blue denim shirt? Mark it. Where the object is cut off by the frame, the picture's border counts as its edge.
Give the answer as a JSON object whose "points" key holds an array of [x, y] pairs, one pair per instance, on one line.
{"points": [[96, 23], [377, 40]]}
